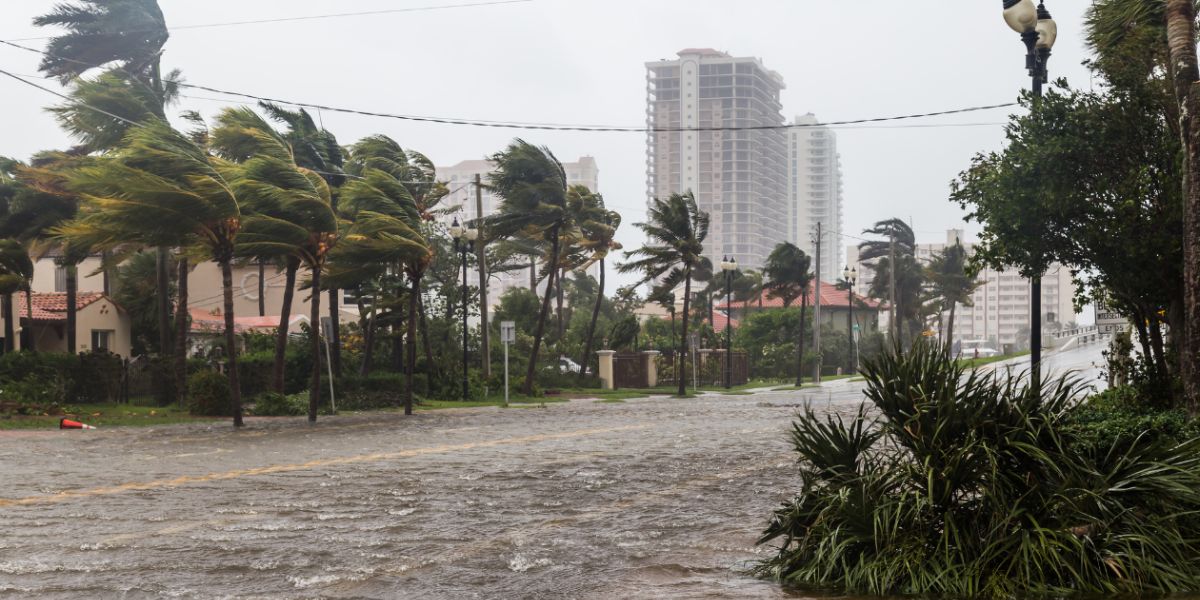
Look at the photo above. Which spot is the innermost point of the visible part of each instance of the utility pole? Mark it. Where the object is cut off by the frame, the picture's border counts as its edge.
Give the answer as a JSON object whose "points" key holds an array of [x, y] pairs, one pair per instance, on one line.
{"points": [[817, 311], [893, 326], [483, 298]]}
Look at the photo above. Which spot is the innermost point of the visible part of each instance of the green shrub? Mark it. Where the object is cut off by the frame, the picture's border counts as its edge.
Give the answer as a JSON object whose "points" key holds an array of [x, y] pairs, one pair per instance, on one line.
{"points": [[57, 377], [1119, 417], [970, 485], [256, 371], [208, 395], [272, 404]]}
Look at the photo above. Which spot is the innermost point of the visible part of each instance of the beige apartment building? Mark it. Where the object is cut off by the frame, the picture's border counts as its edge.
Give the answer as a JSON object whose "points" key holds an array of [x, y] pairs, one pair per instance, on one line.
{"points": [[815, 192], [706, 110], [460, 178], [1000, 311]]}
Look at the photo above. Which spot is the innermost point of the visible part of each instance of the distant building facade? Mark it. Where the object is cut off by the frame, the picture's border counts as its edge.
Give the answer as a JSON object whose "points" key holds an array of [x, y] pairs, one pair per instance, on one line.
{"points": [[739, 176], [815, 192], [1000, 311]]}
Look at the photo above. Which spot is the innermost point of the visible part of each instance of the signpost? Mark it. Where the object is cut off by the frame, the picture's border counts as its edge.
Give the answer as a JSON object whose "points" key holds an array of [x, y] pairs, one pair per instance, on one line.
{"points": [[326, 331], [508, 335], [1108, 321]]}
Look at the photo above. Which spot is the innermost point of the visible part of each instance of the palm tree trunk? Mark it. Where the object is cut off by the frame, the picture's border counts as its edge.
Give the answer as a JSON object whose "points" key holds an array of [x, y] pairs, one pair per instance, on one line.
{"points": [[181, 332], [531, 372], [6, 307], [163, 283], [262, 288], [314, 382], [410, 372], [558, 342], [1181, 36], [367, 323], [426, 343], [950, 326], [72, 287], [687, 299], [585, 360], [235, 389], [800, 342], [28, 344], [335, 333], [285, 317]]}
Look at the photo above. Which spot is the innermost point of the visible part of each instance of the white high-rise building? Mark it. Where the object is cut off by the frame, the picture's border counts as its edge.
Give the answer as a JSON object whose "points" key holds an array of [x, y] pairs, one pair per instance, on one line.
{"points": [[1000, 306], [460, 178], [815, 192], [698, 105]]}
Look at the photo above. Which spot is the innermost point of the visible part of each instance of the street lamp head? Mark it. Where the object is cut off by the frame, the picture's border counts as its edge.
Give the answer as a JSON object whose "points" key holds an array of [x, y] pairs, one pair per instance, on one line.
{"points": [[471, 234], [727, 264], [732, 263], [846, 273], [1021, 15], [853, 274], [455, 229], [1047, 29]]}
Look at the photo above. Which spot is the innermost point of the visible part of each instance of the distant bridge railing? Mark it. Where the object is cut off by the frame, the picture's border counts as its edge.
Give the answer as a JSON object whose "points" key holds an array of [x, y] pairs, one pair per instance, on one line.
{"points": [[1059, 340]]}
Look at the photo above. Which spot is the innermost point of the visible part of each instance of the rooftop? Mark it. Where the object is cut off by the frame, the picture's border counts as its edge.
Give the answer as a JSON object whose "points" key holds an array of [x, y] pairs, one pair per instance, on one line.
{"points": [[52, 306]]}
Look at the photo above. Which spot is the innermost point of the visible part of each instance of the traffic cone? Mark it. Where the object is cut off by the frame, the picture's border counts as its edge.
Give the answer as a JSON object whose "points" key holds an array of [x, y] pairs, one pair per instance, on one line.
{"points": [[65, 423]]}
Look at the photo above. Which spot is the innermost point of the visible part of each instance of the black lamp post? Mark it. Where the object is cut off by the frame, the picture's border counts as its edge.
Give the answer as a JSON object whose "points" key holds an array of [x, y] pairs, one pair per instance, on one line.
{"points": [[850, 276], [728, 265], [1038, 31], [464, 237]]}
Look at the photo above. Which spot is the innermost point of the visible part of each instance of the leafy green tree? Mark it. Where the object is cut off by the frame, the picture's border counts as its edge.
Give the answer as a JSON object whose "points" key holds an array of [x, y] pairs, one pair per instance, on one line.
{"points": [[532, 186], [788, 277], [675, 234], [910, 279], [952, 283]]}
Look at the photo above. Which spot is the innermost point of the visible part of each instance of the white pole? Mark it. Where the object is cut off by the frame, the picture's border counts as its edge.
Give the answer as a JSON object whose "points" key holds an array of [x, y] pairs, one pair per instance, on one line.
{"points": [[329, 369], [506, 374]]}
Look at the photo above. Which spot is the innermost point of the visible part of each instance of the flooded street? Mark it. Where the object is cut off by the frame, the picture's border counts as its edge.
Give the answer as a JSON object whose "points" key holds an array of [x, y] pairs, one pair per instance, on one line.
{"points": [[651, 498]]}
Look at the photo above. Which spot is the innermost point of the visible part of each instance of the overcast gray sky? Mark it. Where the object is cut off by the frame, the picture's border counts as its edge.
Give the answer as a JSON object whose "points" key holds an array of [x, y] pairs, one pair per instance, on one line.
{"points": [[581, 61]]}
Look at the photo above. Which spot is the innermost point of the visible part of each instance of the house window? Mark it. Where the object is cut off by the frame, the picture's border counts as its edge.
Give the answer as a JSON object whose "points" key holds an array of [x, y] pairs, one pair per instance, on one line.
{"points": [[60, 279], [101, 339]]}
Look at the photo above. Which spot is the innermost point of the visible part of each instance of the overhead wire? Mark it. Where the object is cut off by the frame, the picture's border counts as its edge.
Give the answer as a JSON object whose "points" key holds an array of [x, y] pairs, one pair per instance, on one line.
{"points": [[310, 17]]}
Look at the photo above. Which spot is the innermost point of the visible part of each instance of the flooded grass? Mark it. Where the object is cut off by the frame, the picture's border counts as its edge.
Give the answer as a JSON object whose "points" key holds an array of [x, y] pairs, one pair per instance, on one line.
{"points": [[105, 415]]}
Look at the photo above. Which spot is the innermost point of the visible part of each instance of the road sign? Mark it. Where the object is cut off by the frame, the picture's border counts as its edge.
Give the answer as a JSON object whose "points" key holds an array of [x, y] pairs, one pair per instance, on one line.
{"points": [[1109, 321], [508, 331]]}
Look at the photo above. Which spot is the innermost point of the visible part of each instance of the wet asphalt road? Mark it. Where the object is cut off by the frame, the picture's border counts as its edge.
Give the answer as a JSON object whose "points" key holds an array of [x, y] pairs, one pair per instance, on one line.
{"points": [[651, 498]]}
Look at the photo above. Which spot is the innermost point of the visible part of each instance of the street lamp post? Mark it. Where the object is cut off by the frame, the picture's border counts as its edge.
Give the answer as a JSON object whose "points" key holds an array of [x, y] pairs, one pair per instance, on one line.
{"points": [[1038, 31], [850, 276], [464, 238], [728, 265]]}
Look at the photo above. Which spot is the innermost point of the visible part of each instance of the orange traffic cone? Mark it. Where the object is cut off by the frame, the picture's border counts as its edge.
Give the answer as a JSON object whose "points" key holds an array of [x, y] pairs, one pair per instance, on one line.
{"points": [[66, 423]]}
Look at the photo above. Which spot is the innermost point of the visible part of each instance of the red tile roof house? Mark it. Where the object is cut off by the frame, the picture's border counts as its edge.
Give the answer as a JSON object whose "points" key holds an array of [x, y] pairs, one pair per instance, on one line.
{"points": [[834, 309], [100, 324], [208, 327]]}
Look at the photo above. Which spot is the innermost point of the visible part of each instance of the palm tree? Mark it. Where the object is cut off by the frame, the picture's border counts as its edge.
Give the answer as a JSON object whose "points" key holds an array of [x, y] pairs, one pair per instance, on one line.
{"points": [[788, 277], [598, 230], [951, 283], [385, 235], [532, 186], [909, 275], [98, 34], [16, 271], [161, 189], [288, 215], [675, 234]]}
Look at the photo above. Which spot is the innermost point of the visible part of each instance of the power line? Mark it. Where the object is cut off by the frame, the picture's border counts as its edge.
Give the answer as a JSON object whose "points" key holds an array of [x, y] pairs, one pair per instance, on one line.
{"points": [[543, 126], [307, 17]]}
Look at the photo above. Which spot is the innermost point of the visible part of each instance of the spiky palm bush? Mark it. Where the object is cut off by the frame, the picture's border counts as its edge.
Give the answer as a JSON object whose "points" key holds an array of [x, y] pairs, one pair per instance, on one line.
{"points": [[966, 484]]}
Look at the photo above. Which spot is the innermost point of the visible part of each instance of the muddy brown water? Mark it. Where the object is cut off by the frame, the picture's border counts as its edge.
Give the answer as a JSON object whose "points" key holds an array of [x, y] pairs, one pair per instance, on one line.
{"points": [[654, 498]]}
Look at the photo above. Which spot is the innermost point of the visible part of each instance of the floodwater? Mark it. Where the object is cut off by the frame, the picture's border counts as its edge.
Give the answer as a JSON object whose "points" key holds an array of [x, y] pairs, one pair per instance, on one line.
{"points": [[651, 498]]}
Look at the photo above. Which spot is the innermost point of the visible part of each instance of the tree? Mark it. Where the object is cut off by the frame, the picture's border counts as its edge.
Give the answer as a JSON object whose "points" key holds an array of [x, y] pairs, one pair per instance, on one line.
{"points": [[288, 214], [909, 276], [597, 230], [788, 277], [16, 271], [675, 234], [98, 34], [532, 186], [161, 189], [951, 282]]}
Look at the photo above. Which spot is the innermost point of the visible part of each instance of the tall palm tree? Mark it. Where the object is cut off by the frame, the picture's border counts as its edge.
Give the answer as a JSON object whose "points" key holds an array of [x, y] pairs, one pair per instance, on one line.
{"points": [[951, 283], [909, 275], [98, 34], [288, 214], [385, 236], [161, 189], [597, 230], [675, 234], [788, 277], [16, 271], [532, 186]]}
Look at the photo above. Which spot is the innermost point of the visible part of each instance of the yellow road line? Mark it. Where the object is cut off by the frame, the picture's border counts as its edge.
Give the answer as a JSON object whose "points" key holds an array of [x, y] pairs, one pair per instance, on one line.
{"points": [[312, 464]]}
